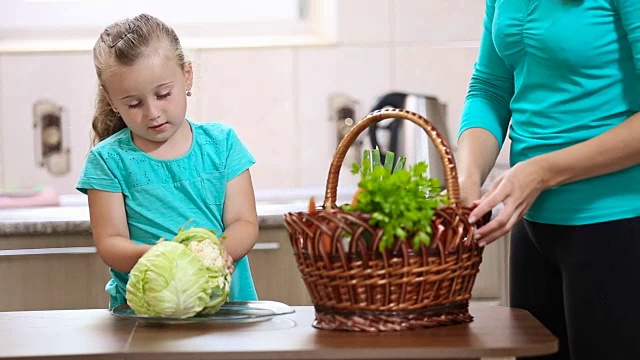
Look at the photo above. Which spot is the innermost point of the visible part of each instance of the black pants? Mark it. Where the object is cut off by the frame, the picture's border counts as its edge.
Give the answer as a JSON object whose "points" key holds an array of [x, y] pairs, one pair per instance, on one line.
{"points": [[583, 284]]}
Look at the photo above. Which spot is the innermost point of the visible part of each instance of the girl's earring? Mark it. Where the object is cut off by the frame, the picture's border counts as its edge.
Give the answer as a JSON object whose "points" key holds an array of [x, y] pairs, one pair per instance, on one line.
{"points": [[188, 92], [117, 113]]}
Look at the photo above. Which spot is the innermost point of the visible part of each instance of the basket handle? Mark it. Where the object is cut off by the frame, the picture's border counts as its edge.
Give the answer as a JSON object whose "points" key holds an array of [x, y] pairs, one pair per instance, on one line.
{"points": [[451, 174]]}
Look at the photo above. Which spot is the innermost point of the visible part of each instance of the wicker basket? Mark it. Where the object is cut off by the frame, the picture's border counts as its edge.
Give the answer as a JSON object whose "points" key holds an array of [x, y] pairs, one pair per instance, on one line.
{"points": [[355, 287]]}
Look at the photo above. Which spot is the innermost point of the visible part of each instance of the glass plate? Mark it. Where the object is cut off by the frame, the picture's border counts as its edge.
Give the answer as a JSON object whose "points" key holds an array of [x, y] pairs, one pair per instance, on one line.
{"points": [[230, 312]]}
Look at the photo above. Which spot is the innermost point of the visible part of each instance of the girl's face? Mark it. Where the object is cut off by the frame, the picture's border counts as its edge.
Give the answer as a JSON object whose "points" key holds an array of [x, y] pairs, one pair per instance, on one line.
{"points": [[151, 97]]}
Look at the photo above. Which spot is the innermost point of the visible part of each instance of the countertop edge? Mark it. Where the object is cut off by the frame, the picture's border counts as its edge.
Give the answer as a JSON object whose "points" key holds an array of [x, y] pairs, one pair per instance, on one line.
{"points": [[83, 227], [41, 221]]}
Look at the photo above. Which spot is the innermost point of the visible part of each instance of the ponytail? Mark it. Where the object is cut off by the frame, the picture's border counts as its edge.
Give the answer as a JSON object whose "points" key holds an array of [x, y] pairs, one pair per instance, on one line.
{"points": [[106, 122]]}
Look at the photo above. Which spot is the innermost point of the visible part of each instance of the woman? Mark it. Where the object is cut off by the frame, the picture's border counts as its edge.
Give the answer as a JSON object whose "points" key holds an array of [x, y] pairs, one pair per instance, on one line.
{"points": [[562, 78]]}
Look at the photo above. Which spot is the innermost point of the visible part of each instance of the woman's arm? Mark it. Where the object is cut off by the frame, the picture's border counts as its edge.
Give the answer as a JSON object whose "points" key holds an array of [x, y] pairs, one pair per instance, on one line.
{"points": [[485, 115], [613, 150], [110, 231], [240, 217], [629, 12], [477, 153]]}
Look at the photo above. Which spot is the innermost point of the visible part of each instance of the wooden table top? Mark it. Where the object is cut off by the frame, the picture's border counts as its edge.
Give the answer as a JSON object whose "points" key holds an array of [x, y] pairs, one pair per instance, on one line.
{"points": [[96, 334]]}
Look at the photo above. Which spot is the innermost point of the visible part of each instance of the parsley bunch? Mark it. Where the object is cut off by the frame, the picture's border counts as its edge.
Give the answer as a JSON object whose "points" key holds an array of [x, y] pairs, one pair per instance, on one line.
{"points": [[401, 202]]}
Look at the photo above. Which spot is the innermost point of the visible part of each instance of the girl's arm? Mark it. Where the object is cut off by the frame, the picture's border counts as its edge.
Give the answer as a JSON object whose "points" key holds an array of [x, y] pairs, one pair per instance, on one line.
{"points": [[240, 216], [110, 231]]}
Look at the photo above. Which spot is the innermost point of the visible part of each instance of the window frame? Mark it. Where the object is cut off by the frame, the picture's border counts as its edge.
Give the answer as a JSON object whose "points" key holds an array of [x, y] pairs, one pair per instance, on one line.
{"points": [[316, 26]]}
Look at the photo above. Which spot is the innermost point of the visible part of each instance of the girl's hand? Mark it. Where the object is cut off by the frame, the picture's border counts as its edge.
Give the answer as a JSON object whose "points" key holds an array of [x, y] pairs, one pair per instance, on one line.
{"points": [[516, 189], [230, 265]]}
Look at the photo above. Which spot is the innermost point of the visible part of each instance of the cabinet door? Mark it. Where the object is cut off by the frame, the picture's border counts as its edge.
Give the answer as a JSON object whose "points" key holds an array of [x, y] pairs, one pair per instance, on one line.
{"points": [[51, 273], [274, 269]]}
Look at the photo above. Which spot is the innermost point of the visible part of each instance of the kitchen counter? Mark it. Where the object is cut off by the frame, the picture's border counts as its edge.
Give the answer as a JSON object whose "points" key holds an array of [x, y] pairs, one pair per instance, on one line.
{"points": [[75, 219], [33, 240], [72, 217], [95, 334]]}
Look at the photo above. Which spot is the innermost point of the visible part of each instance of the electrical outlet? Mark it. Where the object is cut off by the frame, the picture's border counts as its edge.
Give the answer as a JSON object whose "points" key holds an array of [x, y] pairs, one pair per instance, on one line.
{"points": [[344, 115], [51, 138]]}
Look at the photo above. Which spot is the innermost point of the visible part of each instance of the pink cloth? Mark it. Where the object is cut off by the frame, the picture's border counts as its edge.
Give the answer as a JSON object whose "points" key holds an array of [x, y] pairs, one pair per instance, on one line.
{"points": [[43, 197]]}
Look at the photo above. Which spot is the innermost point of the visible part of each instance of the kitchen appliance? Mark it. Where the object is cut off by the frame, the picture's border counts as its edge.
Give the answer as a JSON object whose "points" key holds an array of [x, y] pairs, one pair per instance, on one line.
{"points": [[407, 139]]}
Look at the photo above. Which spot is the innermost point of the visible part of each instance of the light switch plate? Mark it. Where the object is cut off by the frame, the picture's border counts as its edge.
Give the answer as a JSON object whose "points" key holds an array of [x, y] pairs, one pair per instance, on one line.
{"points": [[50, 130]]}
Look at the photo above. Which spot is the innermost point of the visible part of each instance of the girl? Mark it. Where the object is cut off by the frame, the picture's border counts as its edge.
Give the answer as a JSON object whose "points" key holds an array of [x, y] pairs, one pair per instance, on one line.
{"points": [[151, 170], [563, 77]]}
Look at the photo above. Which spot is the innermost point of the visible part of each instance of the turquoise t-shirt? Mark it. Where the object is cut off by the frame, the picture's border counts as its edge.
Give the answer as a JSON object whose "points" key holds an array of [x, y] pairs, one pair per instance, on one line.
{"points": [[556, 73], [160, 196]]}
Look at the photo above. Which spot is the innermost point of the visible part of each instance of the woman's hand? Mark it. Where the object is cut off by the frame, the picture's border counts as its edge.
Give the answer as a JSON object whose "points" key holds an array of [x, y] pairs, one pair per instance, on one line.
{"points": [[516, 189]]}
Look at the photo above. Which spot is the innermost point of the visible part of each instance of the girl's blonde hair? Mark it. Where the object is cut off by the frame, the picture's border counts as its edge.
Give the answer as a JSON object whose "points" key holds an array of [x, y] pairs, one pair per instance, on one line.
{"points": [[123, 43]]}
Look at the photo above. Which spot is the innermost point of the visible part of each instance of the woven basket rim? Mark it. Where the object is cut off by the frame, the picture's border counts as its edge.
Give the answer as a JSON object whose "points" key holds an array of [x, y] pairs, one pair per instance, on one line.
{"points": [[394, 289]]}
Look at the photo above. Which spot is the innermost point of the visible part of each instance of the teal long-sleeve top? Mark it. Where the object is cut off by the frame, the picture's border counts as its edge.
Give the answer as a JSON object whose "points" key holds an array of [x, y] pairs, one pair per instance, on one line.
{"points": [[551, 74]]}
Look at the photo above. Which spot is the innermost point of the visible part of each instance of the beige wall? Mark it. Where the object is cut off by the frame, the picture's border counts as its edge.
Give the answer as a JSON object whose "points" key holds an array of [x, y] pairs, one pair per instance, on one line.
{"points": [[276, 98]]}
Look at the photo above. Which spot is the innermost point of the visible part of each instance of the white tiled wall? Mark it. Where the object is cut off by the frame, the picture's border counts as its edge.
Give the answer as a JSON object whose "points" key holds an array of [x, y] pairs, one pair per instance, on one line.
{"points": [[253, 91], [67, 79], [436, 21], [276, 98], [441, 70], [365, 21], [362, 72]]}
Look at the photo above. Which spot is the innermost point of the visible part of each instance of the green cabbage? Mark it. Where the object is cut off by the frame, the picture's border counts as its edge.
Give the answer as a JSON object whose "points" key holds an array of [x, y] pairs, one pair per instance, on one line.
{"points": [[168, 281], [207, 246], [197, 234], [185, 277]]}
